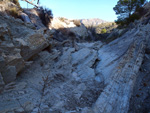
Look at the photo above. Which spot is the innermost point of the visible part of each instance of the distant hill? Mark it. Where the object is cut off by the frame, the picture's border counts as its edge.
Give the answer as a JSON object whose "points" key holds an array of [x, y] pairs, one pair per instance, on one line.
{"points": [[93, 22]]}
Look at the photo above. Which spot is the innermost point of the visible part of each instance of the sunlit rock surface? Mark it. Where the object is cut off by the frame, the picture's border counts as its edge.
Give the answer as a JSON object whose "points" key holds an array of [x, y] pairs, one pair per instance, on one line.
{"points": [[87, 77]]}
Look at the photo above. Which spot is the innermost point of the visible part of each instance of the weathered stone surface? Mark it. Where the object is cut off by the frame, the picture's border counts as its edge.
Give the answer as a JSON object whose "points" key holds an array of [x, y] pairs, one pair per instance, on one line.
{"points": [[111, 54], [80, 31], [25, 17], [1, 83], [9, 74], [18, 43], [122, 77], [34, 17], [95, 78], [35, 43], [79, 56], [2, 63]]}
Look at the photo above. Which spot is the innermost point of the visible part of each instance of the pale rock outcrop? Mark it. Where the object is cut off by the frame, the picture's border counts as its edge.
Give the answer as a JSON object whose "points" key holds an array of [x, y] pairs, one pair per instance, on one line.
{"points": [[57, 23], [95, 78], [33, 15], [18, 43], [80, 31], [92, 22], [70, 82], [69, 26], [84, 59], [123, 75]]}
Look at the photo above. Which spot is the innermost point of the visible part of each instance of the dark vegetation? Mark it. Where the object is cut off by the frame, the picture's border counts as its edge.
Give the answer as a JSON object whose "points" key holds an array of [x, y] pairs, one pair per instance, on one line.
{"points": [[45, 15], [128, 11]]}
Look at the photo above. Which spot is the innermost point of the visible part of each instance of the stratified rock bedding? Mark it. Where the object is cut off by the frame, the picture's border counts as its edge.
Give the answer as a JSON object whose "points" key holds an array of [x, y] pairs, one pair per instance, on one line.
{"points": [[95, 78], [87, 77], [18, 43]]}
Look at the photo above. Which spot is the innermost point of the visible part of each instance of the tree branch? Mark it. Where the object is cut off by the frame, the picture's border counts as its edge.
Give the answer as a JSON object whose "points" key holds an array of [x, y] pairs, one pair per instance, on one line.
{"points": [[31, 3]]}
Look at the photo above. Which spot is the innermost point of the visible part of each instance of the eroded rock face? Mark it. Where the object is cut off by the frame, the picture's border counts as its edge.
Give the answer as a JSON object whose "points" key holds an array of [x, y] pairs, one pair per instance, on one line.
{"points": [[96, 78], [18, 43], [89, 78], [71, 82], [25, 17], [34, 18]]}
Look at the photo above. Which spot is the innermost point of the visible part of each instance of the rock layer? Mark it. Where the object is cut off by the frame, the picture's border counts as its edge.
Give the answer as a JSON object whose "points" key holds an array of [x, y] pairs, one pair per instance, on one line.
{"points": [[18, 43], [86, 78]]}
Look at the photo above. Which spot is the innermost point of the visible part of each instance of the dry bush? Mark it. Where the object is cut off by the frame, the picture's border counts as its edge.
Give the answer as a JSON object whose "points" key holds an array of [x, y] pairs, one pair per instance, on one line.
{"points": [[13, 12], [77, 23], [62, 19], [65, 20], [16, 2]]}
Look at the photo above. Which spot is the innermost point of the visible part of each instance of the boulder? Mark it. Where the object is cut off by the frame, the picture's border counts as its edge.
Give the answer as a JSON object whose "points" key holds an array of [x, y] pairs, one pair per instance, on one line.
{"points": [[33, 44], [25, 17], [34, 18]]}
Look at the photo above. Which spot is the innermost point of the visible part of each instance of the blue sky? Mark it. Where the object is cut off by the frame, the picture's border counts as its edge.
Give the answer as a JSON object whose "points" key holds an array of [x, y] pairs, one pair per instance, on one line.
{"points": [[80, 9]]}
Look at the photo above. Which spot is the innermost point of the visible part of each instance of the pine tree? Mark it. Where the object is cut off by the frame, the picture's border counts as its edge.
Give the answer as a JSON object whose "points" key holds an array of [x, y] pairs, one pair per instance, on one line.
{"points": [[125, 8]]}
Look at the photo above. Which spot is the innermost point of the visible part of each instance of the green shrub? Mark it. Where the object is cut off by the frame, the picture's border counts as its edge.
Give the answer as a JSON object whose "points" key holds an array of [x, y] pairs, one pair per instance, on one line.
{"points": [[103, 31], [113, 24], [135, 16]]}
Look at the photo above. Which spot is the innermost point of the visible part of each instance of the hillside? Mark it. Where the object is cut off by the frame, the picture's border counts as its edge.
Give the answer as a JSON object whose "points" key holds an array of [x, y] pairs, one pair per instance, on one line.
{"points": [[92, 22], [63, 67]]}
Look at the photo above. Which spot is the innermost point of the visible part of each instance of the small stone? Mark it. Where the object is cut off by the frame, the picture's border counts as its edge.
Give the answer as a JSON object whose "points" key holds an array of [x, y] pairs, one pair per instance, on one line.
{"points": [[28, 106], [21, 92], [75, 76], [46, 67], [35, 109], [98, 79], [20, 86], [45, 106], [19, 110]]}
